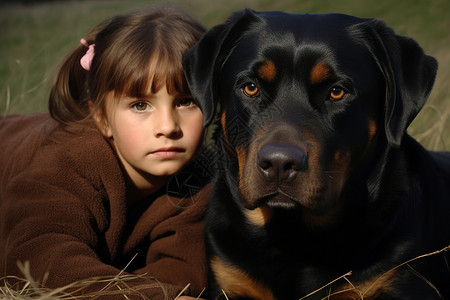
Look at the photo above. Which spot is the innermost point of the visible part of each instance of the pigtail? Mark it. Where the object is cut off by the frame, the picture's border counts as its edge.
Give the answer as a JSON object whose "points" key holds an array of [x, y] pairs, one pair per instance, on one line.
{"points": [[69, 95], [134, 54]]}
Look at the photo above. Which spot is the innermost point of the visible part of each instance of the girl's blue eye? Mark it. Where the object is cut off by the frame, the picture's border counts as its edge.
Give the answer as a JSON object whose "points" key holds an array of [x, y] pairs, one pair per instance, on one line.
{"points": [[141, 106], [185, 102]]}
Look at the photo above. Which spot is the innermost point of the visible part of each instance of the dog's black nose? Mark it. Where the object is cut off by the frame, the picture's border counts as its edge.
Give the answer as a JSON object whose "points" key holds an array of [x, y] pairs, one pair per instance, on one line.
{"points": [[280, 162]]}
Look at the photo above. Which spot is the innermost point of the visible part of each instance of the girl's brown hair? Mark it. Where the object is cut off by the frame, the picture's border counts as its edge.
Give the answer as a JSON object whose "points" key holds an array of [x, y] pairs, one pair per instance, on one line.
{"points": [[134, 53]]}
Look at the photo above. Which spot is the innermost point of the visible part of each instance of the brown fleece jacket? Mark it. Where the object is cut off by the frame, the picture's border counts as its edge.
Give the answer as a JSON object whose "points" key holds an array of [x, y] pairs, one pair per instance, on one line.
{"points": [[63, 208]]}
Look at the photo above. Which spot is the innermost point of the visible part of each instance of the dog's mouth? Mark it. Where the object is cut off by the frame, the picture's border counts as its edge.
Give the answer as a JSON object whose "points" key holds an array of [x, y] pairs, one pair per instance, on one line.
{"points": [[281, 200], [276, 199]]}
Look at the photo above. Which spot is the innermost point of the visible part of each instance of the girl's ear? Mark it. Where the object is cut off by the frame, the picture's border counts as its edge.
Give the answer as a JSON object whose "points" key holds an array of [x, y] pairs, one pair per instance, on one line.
{"points": [[100, 120]]}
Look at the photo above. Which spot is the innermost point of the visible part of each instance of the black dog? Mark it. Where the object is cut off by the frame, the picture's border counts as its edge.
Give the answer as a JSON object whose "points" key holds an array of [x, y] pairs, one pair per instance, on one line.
{"points": [[318, 175]]}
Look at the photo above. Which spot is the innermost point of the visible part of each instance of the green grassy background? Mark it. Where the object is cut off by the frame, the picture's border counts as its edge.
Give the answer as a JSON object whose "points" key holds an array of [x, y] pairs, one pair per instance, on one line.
{"points": [[34, 39]]}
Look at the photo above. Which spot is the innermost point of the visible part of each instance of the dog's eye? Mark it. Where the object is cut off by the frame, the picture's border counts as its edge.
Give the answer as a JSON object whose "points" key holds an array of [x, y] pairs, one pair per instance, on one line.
{"points": [[337, 93], [251, 90]]}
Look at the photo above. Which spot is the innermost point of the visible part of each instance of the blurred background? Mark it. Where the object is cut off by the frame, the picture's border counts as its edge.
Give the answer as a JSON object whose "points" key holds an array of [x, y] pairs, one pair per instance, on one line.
{"points": [[36, 35]]}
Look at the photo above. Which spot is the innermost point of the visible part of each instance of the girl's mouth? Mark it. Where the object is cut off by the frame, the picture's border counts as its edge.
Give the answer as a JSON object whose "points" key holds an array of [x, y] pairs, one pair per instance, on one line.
{"points": [[168, 152]]}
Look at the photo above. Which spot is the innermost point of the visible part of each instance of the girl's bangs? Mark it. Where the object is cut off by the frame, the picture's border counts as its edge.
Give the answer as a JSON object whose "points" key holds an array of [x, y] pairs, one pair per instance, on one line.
{"points": [[159, 72]]}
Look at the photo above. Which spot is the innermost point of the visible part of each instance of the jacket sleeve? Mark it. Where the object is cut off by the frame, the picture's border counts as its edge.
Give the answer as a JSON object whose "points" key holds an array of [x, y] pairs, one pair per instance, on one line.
{"points": [[67, 224], [177, 240]]}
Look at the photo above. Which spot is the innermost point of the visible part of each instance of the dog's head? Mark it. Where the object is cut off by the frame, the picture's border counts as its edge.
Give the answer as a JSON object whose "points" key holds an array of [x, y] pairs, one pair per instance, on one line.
{"points": [[307, 101]]}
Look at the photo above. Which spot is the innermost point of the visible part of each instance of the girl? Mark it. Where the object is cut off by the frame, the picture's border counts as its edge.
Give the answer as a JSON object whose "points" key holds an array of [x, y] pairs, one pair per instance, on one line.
{"points": [[85, 195]]}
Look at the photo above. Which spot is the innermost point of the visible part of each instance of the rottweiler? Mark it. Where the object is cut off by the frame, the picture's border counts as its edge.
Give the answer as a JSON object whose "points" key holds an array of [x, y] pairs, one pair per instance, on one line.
{"points": [[320, 192]]}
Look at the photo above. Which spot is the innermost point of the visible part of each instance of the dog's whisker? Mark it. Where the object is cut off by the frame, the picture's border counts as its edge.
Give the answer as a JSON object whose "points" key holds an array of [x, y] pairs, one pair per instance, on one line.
{"points": [[287, 195], [331, 177]]}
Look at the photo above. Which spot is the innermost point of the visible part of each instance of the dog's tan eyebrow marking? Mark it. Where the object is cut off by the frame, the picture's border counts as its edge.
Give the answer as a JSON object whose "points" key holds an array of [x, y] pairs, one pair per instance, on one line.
{"points": [[319, 73], [267, 70]]}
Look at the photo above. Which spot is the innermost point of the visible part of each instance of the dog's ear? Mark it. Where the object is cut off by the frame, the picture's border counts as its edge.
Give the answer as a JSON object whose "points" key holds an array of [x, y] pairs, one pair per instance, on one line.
{"points": [[203, 61], [408, 72]]}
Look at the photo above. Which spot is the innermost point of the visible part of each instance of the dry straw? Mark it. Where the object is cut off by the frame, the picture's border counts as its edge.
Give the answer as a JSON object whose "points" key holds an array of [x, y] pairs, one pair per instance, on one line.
{"points": [[26, 288], [363, 292]]}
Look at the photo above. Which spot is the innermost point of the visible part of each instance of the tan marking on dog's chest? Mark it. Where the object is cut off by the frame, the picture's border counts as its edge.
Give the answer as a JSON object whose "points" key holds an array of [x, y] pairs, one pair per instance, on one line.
{"points": [[236, 283], [267, 71], [259, 216], [319, 73]]}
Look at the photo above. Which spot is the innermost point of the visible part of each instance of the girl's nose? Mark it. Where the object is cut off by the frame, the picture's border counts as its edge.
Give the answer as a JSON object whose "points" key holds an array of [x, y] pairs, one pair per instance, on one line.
{"points": [[167, 124]]}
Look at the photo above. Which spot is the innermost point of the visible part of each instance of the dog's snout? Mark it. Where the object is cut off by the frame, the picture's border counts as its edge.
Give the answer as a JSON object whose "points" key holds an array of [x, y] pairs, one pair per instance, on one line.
{"points": [[279, 162]]}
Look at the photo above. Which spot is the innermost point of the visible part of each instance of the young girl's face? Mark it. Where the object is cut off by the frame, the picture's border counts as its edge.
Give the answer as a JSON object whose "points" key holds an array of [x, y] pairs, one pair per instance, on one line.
{"points": [[155, 135]]}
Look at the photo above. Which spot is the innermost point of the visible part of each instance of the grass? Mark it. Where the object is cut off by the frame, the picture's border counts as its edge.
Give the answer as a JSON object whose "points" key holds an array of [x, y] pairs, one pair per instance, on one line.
{"points": [[36, 37], [15, 288], [27, 288], [362, 292]]}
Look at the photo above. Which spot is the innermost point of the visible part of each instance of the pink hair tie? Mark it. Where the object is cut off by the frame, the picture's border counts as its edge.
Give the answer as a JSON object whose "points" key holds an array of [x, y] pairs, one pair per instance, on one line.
{"points": [[86, 60]]}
